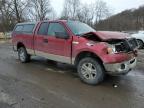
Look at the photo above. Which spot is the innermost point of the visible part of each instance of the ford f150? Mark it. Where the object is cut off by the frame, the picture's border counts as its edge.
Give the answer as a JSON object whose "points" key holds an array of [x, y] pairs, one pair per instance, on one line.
{"points": [[94, 53]]}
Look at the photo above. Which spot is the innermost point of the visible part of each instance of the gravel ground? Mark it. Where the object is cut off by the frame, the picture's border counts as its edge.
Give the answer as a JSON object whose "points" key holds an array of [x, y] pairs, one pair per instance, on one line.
{"points": [[46, 84]]}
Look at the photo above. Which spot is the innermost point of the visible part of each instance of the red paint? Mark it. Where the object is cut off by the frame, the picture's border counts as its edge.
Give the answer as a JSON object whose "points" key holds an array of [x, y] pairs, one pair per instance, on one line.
{"points": [[100, 49], [65, 48], [108, 35]]}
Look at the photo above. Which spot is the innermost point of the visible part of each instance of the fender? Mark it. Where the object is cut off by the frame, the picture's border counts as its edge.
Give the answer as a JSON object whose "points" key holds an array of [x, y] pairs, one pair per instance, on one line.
{"points": [[99, 50]]}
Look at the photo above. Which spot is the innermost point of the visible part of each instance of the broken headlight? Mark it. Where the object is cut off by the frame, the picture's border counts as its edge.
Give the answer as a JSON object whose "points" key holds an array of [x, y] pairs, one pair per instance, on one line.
{"points": [[124, 46], [111, 49], [117, 48]]}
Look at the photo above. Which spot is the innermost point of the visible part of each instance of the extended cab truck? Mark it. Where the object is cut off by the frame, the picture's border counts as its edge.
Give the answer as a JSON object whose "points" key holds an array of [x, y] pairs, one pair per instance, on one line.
{"points": [[94, 53]]}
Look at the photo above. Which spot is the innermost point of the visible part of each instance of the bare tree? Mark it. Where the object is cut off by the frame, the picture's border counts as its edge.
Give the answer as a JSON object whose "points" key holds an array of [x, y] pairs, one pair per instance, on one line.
{"points": [[102, 11], [71, 9], [52, 15], [19, 7], [86, 14], [39, 9], [7, 18], [12, 11]]}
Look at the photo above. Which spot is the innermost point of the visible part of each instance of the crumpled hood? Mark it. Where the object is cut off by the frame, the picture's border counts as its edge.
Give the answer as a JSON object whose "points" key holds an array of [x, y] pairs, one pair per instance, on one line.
{"points": [[108, 35]]}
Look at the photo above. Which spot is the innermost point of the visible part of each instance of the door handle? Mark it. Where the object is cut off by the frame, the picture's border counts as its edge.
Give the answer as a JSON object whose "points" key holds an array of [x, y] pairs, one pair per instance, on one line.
{"points": [[45, 40]]}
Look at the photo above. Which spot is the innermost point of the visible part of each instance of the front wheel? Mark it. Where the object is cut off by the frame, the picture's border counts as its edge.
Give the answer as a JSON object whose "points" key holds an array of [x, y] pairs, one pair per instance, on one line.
{"points": [[23, 56], [141, 44], [90, 71]]}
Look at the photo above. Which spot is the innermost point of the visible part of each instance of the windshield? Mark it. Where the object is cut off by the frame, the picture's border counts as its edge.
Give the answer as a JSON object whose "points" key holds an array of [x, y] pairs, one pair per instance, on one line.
{"points": [[79, 28]]}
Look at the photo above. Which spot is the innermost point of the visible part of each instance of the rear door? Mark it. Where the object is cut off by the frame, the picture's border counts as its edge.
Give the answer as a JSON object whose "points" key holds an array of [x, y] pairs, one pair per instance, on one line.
{"points": [[40, 39]]}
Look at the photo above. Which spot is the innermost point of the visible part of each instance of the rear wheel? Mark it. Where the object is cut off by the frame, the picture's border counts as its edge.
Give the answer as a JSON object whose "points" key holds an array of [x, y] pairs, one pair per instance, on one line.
{"points": [[90, 71], [24, 57]]}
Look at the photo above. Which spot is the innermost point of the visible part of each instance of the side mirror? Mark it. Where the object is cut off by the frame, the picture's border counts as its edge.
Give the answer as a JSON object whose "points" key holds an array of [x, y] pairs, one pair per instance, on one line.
{"points": [[61, 35]]}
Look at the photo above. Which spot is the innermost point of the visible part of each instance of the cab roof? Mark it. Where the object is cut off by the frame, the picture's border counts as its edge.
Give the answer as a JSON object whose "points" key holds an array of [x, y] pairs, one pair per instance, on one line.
{"points": [[26, 23], [64, 21]]}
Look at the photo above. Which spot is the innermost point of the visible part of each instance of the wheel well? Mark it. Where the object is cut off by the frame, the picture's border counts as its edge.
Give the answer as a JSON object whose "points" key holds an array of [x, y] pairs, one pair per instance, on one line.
{"points": [[20, 45], [140, 40], [86, 54], [140, 46]]}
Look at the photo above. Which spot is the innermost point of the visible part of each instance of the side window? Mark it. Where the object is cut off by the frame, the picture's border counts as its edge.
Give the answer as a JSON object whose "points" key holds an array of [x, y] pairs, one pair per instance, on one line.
{"points": [[28, 28], [55, 27], [43, 29], [18, 29]]}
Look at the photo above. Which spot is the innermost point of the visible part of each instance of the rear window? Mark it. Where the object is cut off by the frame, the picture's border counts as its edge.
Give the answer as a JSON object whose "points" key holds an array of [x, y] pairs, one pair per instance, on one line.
{"points": [[26, 28]]}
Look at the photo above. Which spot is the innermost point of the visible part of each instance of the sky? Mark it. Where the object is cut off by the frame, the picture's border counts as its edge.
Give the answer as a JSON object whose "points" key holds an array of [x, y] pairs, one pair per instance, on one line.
{"points": [[116, 5]]}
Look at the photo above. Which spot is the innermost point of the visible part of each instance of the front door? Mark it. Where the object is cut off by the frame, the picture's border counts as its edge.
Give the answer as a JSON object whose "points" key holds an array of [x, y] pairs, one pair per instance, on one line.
{"points": [[55, 48], [59, 48]]}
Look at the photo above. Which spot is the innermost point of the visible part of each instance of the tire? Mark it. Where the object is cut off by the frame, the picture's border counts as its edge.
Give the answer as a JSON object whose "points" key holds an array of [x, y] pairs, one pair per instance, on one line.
{"points": [[24, 57], [141, 44], [85, 68]]}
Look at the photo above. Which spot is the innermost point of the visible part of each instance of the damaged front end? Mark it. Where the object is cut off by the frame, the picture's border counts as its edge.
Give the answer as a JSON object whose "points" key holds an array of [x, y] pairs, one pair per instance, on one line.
{"points": [[127, 46], [121, 54], [117, 44], [122, 45]]}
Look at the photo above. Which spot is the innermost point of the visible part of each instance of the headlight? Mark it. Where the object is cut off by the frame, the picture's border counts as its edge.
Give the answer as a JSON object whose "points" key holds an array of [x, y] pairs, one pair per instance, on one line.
{"points": [[111, 49]]}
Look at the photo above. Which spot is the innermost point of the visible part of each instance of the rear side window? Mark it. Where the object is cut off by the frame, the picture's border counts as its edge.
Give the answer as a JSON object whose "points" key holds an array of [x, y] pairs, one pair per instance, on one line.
{"points": [[55, 27], [28, 28], [19, 28], [25, 28], [43, 29]]}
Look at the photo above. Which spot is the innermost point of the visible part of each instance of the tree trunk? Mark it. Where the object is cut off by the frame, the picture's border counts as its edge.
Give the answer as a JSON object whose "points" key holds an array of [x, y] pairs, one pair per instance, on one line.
{"points": [[17, 12]]}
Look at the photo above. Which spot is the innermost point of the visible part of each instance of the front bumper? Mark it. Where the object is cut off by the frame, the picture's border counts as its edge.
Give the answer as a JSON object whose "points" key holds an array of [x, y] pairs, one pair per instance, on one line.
{"points": [[120, 68]]}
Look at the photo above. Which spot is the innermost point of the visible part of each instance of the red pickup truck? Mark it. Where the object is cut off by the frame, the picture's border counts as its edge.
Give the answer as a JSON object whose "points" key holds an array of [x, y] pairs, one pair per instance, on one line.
{"points": [[94, 53]]}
